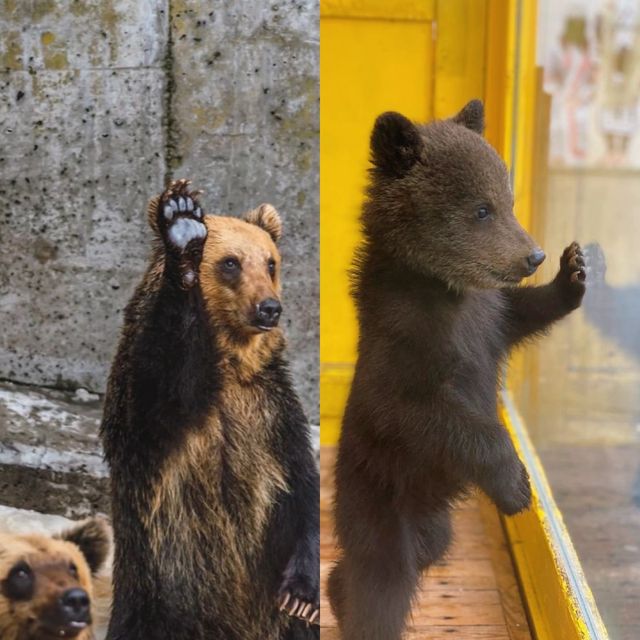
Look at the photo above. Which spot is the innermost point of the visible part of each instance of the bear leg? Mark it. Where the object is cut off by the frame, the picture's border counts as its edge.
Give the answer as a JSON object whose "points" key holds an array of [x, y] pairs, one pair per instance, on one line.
{"points": [[299, 593], [371, 589], [335, 591], [435, 535]]}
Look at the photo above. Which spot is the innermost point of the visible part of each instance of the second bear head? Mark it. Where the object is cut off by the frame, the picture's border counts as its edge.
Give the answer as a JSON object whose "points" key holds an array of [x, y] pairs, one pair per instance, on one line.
{"points": [[46, 584], [440, 202]]}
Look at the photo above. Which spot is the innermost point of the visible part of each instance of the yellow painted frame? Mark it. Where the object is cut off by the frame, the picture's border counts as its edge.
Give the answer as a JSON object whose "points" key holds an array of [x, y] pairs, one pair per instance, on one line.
{"points": [[558, 599]]}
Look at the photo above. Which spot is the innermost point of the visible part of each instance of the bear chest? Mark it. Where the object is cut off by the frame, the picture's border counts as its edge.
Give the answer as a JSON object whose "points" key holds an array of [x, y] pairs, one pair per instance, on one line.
{"points": [[477, 343], [224, 479]]}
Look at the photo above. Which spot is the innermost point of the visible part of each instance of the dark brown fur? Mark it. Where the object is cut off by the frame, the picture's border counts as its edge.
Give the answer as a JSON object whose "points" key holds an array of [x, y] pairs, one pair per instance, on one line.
{"points": [[434, 284], [214, 487], [52, 567]]}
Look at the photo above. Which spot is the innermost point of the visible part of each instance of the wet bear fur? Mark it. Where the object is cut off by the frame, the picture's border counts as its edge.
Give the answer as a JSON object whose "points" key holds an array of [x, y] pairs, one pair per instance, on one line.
{"points": [[214, 485]]}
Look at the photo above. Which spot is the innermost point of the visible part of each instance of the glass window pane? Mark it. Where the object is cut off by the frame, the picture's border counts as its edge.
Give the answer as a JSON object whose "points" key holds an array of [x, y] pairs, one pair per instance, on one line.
{"points": [[581, 392]]}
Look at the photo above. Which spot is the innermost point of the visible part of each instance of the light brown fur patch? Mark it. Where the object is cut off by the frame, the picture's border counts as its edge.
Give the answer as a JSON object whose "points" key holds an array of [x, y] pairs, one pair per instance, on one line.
{"points": [[244, 352], [192, 531]]}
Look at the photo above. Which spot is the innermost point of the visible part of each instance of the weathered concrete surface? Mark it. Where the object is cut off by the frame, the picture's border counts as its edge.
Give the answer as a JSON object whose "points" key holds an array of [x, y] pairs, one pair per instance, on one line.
{"points": [[50, 454], [81, 114], [100, 101]]}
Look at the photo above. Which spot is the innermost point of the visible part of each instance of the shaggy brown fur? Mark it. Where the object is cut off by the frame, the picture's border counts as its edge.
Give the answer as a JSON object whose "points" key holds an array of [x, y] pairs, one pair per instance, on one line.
{"points": [[215, 491], [46, 588], [438, 308]]}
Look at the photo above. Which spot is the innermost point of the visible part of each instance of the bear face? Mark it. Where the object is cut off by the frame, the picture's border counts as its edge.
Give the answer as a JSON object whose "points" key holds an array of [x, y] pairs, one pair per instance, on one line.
{"points": [[441, 201], [46, 583], [240, 272]]}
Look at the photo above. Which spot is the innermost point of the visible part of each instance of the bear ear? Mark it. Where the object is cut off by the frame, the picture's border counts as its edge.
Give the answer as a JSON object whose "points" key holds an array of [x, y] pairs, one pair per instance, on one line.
{"points": [[94, 538], [471, 116], [395, 144], [266, 217]]}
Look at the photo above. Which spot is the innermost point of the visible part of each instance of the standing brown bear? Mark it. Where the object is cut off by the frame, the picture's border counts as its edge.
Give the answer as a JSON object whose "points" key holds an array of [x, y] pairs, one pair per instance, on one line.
{"points": [[435, 287], [214, 486]]}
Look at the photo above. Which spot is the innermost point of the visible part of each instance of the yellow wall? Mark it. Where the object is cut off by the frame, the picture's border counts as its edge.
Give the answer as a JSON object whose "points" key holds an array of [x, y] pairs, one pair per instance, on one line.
{"points": [[422, 58]]}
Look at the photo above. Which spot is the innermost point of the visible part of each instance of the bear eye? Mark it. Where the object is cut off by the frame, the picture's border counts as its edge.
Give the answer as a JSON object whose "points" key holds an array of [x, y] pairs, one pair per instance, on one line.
{"points": [[230, 264], [271, 265], [482, 212], [19, 583]]}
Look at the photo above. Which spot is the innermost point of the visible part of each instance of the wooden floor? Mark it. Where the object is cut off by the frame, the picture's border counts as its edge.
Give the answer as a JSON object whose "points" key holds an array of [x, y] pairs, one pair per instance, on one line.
{"points": [[473, 595]]}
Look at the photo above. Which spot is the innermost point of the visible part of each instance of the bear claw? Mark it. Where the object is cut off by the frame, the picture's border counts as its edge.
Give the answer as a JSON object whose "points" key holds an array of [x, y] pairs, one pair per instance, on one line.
{"points": [[573, 274], [298, 608]]}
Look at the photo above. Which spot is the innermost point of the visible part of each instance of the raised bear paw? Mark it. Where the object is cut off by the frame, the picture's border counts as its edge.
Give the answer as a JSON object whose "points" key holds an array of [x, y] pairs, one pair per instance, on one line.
{"points": [[181, 225], [299, 597], [572, 275]]}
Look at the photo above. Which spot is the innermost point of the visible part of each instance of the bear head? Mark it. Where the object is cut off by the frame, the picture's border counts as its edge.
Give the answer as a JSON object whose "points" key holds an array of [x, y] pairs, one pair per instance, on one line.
{"points": [[46, 583], [440, 202], [240, 272]]}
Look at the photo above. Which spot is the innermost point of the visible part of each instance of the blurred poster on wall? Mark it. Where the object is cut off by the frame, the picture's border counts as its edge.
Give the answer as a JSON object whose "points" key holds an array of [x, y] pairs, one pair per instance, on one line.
{"points": [[590, 51]]}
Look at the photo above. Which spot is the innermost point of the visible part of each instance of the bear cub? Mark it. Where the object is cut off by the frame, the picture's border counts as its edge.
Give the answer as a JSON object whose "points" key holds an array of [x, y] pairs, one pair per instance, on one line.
{"points": [[214, 485], [46, 584], [435, 284]]}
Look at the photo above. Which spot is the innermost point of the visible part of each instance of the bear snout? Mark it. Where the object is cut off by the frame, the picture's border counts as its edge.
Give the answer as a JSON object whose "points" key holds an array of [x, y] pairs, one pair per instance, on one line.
{"points": [[534, 260], [75, 606], [268, 313], [68, 615]]}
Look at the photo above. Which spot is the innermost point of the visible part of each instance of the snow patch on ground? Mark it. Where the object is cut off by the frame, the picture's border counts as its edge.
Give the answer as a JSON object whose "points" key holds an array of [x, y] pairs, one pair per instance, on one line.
{"points": [[42, 457], [23, 521], [34, 407]]}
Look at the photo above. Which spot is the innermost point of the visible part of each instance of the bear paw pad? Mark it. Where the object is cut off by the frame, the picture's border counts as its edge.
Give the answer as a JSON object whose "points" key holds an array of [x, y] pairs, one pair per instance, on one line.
{"points": [[181, 224]]}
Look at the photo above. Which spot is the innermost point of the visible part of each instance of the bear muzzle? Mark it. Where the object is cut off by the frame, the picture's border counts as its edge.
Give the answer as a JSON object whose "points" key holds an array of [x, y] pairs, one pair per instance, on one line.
{"points": [[68, 616], [535, 259], [268, 314], [524, 267]]}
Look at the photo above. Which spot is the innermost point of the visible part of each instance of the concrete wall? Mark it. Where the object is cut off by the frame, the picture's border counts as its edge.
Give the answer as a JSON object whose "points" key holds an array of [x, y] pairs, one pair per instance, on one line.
{"points": [[101, 102]]}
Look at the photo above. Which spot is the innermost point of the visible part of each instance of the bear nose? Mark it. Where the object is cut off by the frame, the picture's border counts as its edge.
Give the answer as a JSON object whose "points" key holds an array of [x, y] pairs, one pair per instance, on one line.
{"points": [[535, 259], [269, 311], [75, 605]]}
